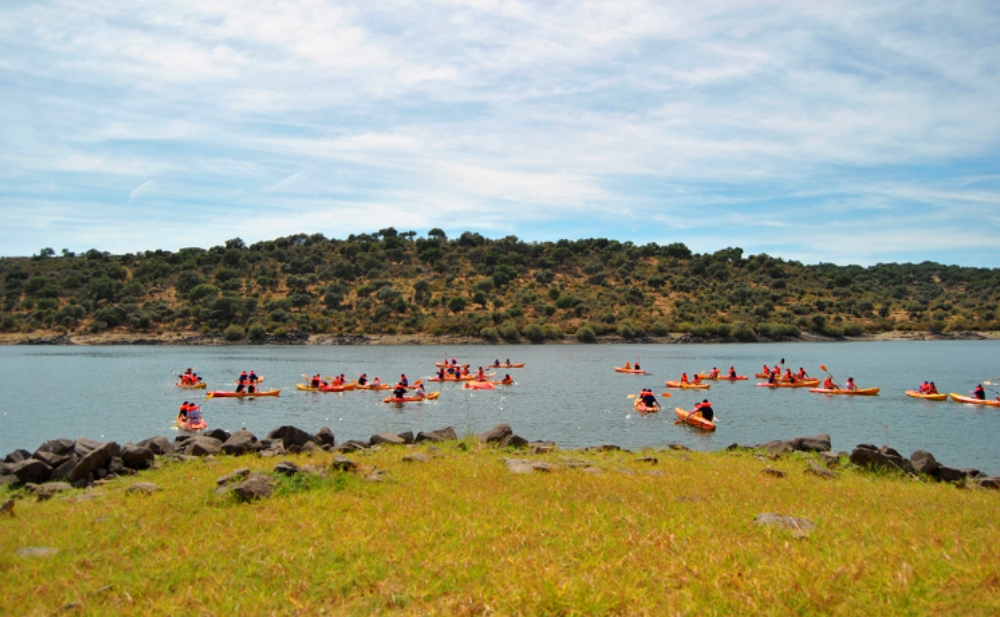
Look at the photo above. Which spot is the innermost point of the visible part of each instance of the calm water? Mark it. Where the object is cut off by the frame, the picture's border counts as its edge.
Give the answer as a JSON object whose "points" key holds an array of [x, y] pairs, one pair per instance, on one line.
{"points": [[567, 393]]}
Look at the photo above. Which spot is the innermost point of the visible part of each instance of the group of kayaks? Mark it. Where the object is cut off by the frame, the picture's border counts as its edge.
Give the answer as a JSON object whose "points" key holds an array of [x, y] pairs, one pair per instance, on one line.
{"points": [[958, 398]]}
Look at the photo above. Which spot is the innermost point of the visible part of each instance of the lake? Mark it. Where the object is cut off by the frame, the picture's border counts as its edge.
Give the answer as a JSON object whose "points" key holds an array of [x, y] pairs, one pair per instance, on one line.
{"points": [[569, 394]]}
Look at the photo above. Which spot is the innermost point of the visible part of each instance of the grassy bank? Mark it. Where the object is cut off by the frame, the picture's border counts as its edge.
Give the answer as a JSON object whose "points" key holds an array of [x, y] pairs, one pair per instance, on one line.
{"points": [[461, 535]]}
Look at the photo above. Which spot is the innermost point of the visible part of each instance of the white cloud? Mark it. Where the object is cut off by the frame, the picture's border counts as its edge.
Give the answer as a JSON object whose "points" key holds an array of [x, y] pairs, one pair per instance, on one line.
{"points": [[143, 189]]}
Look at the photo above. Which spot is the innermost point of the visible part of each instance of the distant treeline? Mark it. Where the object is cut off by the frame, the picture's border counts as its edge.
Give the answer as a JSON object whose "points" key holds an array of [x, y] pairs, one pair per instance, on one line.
{"points": [[399, 282]]}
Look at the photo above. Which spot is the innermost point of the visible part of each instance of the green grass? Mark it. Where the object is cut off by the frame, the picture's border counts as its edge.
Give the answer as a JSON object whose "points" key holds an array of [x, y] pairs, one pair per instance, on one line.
{"points": [[462, 536]]}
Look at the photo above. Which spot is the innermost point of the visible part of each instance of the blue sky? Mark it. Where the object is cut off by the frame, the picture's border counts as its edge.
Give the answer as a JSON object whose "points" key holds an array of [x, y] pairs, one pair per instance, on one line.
{"points": [[847, 132]]}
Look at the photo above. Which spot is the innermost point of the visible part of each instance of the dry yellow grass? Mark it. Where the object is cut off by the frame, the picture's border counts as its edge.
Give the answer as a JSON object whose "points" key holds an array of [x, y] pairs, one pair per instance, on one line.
{"points": [[462, 536]]}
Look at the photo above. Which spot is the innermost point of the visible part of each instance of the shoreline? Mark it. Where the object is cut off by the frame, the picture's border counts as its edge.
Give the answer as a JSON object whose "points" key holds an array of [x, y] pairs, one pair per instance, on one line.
{"points": [[217, 339]]}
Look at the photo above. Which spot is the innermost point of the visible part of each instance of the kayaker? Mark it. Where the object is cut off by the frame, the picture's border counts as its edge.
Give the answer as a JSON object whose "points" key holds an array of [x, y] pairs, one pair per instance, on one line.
{"points": [[403, 380], [451, 370], [440, 374], [705, 409], [182, 414], [684, 378], [932, 389], [924, 388], [315, 382], [648, 399], [496, 362], [193, 414], [850, 385], [252, 379], [828, 384], [363, 378], [628, 366], [241, 383], [802, 374], [788, 376], [399, 391], [979, 393], [507, 363], [419, 392], [732, 372], [697, 380], [480, 375], [772, 378], [507, 380], [377, 382], [767, 370], [636, 367], [714, 373]]}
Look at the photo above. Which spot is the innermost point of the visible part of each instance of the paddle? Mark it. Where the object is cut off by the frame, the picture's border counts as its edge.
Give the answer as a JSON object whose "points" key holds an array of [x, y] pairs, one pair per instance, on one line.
{"points": [[823, 366]]}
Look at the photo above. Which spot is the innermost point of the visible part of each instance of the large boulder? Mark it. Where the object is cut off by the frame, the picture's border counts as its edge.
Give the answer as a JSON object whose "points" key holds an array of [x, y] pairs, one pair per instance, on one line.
{"points": [[31, 470], [217, 433], [777, 446], [137, 457], [445, 434], [241, 442], [96, 458], [496, 434], [83, 446], [56, 446], [924, 462], [407, 437], [159, 445], [51, 459], [291, 436], [62, 471], [17, 456], [325, 437], [874, 459], [948, 474], [818, 443], [256, 486], [200, 445], [386, 438], [514, 441]]}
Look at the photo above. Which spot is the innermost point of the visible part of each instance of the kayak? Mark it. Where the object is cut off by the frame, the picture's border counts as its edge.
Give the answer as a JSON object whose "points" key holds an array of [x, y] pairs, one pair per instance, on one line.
{"points": [[411, 399], [642, 407], [367, 386], [958, 398], [694, 419], [501, 382], [805, 383], [630, 370], [519, 365], [479, 385], [228, 394], [462, 378], [192, 386], [723, 377], [688, 386], [444, 365], [940, 396], [858, 392], [193, 426]]}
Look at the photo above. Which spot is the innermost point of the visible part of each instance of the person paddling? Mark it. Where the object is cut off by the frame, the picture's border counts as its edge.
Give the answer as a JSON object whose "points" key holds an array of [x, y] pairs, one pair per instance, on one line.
{"points": [[850, 385], [252, 380], [714, 373], [507, 380], [705, 409], [931, 388], [828, 384], [399, 391], [732, 372], [419, 392], [182, 414], [684, 379], [241, 383], [648, 399], [979, 393]]}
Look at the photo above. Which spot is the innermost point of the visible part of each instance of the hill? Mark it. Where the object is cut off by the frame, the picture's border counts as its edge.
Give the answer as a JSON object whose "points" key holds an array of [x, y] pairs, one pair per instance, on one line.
{"points": [[393, 282]]}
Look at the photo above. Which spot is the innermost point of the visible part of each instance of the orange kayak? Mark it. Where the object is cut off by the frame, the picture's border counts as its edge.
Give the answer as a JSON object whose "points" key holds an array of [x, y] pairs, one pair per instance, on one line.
{"points": [[958, 398], [191, 425], [858, 392], [519, 365], [805, 383], [723, 377], [630, 370], [228, 394], [940, 396], [694, 419], [468, 377], [192, 386], [642, 407], [688, 386], [479, 385], [443, 365]]}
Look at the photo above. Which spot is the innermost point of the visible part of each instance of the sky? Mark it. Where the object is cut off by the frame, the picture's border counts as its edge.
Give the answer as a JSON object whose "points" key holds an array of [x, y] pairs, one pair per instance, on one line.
{"points": [[845, 132]]}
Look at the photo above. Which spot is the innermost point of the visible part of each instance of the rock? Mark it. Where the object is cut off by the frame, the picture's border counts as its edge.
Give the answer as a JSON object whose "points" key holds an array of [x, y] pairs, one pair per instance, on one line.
{"points": [[239, 474], [287, 468], [829, 459], [993, 482], [800, 527], [159, 445], [7, 508], [290, 436], [610, 447], [947, 474], [777, 447], [324, 437], [523, 466], [217, 433], [407, 437], [543, 450], [352, 445], [679, 446], [62, 472], [386, 438], [819, 443], [115, 465], [83, 446], [95, 459], [874, 459], [866, 446], [47, 490], [309, 448], [972, 473], [444, 434], [199, 445], [496, 434], [734, 446], [342, 463], [770, 471], [812, 467], [17, 456], [514, 441], [256, 486], [56, 446], [652, 460], [31, 470], [4, 469], [143, 488], [241, 442], [51, 459], [924, 462], [418, 457], [37, 551], [886, 450], [137, 457]]}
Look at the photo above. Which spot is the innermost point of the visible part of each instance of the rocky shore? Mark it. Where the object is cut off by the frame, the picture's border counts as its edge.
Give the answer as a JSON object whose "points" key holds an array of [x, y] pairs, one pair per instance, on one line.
{"points": [[63, 464]]}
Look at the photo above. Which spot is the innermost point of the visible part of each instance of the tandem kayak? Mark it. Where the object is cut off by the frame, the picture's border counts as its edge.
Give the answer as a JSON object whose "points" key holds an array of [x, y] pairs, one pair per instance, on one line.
{"points": [[479, 385], [519, 365], [192, 426], [192, 386], [446, 365], [723, 377], [940, 396], [958, 398], [694, 419], [805, 383], [688, 386], [858, 392], [228, 394], [642, 407], [411, 399], [462, 378], [633, 371]]}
